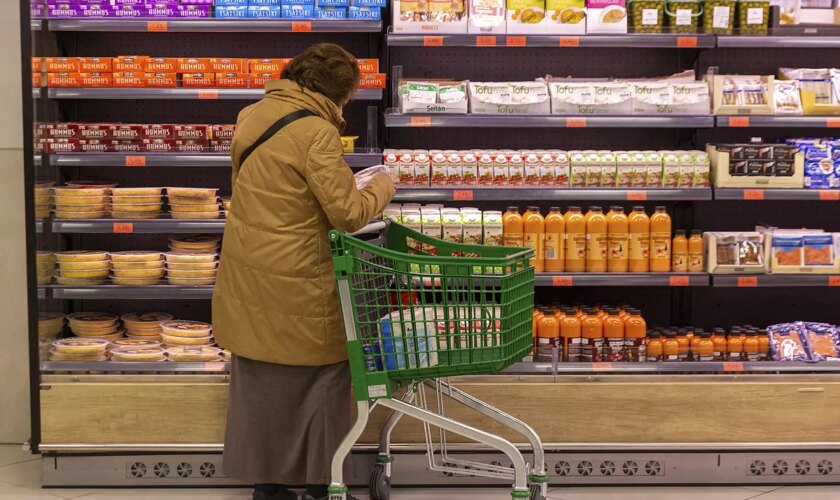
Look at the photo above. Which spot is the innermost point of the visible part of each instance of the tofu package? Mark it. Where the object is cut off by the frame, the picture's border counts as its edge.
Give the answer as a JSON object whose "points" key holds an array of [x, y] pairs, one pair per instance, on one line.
{"points": [[606, 17], [569, 97], [671, 98], [509, 98], [409, 338]]}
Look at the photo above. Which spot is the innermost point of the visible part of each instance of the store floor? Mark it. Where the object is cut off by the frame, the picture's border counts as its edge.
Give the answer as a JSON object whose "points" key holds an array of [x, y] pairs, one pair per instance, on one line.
{"points": [[20, 479]]}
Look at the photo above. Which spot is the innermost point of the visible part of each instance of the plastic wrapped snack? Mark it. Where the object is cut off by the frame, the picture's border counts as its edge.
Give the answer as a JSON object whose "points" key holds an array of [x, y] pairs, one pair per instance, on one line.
{"points": [[364, 177], [786, 343], [786, 96], [821, 341]]}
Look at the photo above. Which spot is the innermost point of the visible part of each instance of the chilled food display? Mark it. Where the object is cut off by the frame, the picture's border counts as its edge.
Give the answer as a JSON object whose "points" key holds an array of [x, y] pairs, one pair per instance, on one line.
{"points": [[548, 168]]}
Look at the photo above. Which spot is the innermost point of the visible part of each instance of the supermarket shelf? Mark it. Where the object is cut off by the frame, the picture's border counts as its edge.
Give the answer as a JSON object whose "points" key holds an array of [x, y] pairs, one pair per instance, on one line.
{"points": [[394, 119], [776, 280], [180, 93], [214, 25], [361, 158], [160, 226], [634, 40], [115, 292], [131, 367], [778, 121], [779, 42], [547, 194], [625, 368], [777, 194], [622, 279]]}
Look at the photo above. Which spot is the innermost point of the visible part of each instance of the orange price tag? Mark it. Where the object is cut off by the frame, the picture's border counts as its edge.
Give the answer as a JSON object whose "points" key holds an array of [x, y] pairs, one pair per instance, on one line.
{"points": [[461, 195], [485, 41], [208, 94], [830, 195], [301, 27], [686, 42], [123, 227], [433, 41], [733, 366], [516, 41], [637, 195], [575, 122], [570, 41], [753, 194], [157, 26], [832, 122], [562, 281], [602, 367], [834, 281], [747, 281], [678, 280], [421, 121], [135, 161], [739, 121], [215, 366]]}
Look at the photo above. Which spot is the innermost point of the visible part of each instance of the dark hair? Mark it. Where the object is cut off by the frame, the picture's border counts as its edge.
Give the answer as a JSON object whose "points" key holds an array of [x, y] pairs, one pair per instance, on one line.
{"points": [[325, 68]]}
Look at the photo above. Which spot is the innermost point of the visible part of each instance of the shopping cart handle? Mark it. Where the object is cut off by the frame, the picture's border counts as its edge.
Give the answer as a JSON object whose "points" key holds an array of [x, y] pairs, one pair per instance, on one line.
{"points": [[372, 228]]}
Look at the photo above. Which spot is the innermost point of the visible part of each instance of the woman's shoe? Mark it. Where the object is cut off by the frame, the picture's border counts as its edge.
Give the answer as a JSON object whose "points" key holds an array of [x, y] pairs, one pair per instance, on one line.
{"points": [[283, 494]]}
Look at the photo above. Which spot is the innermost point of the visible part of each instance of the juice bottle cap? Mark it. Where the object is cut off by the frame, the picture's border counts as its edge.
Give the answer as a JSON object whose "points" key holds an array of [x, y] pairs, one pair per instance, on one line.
{"points": [[617, 208], [512, 209], [653, 334], [697, 232], [661, 208], [573, 208], [682, 331], [705, 335], [718, 329], [554, 209], [671, 334], [595, 208], [534, 209], [751, 333], [680, 232], [638, 208]]}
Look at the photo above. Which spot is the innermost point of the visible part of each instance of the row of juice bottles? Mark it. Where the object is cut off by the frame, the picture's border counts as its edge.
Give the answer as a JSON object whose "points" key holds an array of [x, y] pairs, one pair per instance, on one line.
{"points": [[614, 334], [599, 242]]}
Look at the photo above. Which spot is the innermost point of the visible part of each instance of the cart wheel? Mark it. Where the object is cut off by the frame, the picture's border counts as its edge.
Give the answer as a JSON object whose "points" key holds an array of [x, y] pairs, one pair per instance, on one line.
{"points": [[380, 484], [536, 492]]}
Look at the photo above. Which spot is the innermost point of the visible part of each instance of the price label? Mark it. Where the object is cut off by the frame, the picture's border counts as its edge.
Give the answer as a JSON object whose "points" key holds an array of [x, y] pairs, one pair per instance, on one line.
{"points": [[754, 194], [678, 280], [421, 121], [209, 94], [157, 26], [485, 41], [135, 161], [637, 195], [834, 281], [215, 366], [575, 122], [301, 27], [739, 121], [570, 41], [687, 42], [830, 195], [562, 281], [433, 41], [123, 227], [602, 367], [462, 195], [733, 366], [747, 281], [832, 122], [516, 41]]}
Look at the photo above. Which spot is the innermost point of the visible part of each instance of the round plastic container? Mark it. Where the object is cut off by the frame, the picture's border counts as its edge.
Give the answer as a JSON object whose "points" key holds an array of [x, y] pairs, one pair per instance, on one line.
{"points": [[136, 215], [50, 324], [139, 273], [134, 200], [63, 356], [193, 353], [191, 281], [42, 200], [64, 214], [110, 338], [169, 340], [174, 273], [192, 266], [83, 266], [43, 191], [77, 345], [190, 257], [180, 200], [145, 208], [137, 191], [152, 264], [63, 280], [42, 256], [138, 354], [155, 337], [81, 200], [212, 207], [93, 184], [136, 344], [94, 331], [145, 320], [196, 215], [143, 332], [683, 16], [92, 319], [226, 202], [136, 256], [71, 190], [81, 256], [87, 273], [134, 281], [186, 328], [646, 16], [182, 192], [226, 355], [200, 242]]}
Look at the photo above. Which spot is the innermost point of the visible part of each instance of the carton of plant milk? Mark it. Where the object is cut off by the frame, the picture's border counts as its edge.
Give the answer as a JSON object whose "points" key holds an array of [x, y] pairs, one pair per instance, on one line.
{"points": [[430, 221], [453, 226], [653, 165], [562, 168], [422, 168], [412, 219], [492, 221], [406, 167], [439, 168], [469, 170], [454, 168], [471, 224]]}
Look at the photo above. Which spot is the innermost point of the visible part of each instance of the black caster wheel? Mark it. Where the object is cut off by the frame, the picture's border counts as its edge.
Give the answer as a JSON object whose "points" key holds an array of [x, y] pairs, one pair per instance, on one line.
{"points": [[536, 492], [380, 484]]}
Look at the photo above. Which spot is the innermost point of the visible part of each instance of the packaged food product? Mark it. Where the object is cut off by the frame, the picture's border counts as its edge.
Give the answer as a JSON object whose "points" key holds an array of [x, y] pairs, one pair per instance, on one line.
{"points": [[191, 192], [193, 353], [196, 215], [136, 344], [63, 280], [69, 190], [89, 273], [606, 16], [83, 266], [144, 320], [119, 201], [646, 16], [194, 208], [817, 250], [719, 16], [92, 319], [820, 341], [138, 354], [63, 356], [77, 345], [139, 273], [786, 97], [683, 16], [786, 343], [487, 17], [192, 266], [175, 273], [139, 191], [190, 256], [753, 16], [191, 281], [50, 324], [171, 340], [136, 256], [83, 330], [526, 16]]}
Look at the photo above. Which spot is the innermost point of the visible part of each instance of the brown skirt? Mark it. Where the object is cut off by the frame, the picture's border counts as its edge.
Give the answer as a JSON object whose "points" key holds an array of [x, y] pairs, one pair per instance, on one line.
{"points": [[285, 422]]}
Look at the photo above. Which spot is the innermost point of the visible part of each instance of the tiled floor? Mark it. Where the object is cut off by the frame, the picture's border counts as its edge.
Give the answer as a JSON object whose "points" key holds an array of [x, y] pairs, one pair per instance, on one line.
{"points": [[20, 479]]}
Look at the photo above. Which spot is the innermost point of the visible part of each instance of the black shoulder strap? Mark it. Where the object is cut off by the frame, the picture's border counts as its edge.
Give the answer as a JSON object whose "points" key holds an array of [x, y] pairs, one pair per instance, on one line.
{"points": [[268, 134]]}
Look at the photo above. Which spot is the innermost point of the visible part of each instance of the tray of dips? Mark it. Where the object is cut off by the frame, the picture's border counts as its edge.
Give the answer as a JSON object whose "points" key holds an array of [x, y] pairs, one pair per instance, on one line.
{"points": [[142, 208], [179, 200], [88, 273], [196, 215], [136, 256], [50, 322], [63, 214], [63, 356], [83, 266], [197, 242], [150, 264], [88, 184], [138, 354], [192, 266], [145, 320], [195, 274], [80, 346], [136, 344], [188, 256], [186, 328], [139, 273], [79, 191], [170, 341], [94, 331], [193, 353], [134, 200], [134, 281], [69, 201], [211, 207], [143, 332], [136, 215], [92, 319], [81, 256], [181, 192], [137, 191]]}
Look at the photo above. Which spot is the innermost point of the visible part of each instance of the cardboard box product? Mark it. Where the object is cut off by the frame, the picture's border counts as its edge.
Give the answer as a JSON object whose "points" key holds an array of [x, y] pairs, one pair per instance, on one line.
{"points": [[130, 63], [297, 11], [330, 12], [369, 3], [417, 16], [487, 17], [231, 11], [232, 80], [433, 97], [190, 146], [90, 80], [606, 17], [126, 131], [565, 17], [730, 170], [268, 12], [737, 252], [590, 98], [161, 80], [161, 65], [158, 131], [526, 17], [158, 145], [372, 81], [191, 132], [364, 13], [221, 132], [368, 65], [95, 64], [62, 64], [258, 81], [742, 94], [130, 79], [267, 65], [198, 80], [193, 65]]}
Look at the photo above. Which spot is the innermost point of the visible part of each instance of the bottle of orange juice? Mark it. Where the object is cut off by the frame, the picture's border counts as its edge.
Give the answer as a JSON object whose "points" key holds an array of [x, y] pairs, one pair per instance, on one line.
{"points": [[570, 337], [534, 228], [613, 337], [635, 330], [639, 245], [575, 240], [592, 331], [695, 252], [660, 241], [555, 239], [618, 230], [679, 252], [512, 228], [596, 241]]}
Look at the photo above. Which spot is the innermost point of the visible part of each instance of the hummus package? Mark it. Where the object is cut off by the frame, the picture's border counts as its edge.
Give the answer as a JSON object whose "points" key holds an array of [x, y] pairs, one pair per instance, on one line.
{"points": [[509, 98], [526, 17], [565, 17], [606, 16]]}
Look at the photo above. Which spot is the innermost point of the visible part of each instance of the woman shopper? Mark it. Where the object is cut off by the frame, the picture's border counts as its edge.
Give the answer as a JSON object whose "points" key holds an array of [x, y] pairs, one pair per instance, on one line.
{"points": [[275, 306]]}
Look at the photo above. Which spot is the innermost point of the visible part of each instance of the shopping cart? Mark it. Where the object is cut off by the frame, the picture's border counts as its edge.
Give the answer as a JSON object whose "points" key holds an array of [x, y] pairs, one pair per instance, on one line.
{"points": [[417, 310]]}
